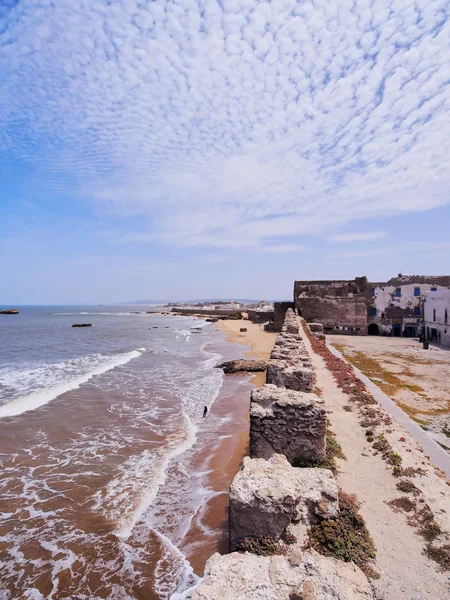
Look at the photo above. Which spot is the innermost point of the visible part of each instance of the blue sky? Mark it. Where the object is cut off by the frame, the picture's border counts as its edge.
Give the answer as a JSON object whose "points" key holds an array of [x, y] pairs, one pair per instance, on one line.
{"points": [[190, 149]]}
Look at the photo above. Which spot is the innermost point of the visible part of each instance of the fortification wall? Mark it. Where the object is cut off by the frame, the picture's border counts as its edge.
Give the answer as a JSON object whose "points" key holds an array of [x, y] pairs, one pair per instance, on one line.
{"points": [[273, 502]]}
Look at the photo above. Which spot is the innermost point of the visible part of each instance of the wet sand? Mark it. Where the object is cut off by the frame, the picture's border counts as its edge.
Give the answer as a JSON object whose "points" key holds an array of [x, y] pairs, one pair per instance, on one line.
{"points": [[227, 459]]}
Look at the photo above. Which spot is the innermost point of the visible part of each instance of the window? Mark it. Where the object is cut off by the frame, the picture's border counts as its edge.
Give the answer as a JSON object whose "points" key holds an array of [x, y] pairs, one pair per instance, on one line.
{"points": [[417, 311], [434, 314], [416, 291], [446, 316], [372, 292], [373, 311], [398, 292], [434, 289]]}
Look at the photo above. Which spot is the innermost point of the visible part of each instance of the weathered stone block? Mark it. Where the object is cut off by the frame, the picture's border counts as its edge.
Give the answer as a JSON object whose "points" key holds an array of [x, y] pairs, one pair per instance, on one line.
{"points": [[294, 377], [306, 575], [266, 496], [287, 422], [316, 327]]}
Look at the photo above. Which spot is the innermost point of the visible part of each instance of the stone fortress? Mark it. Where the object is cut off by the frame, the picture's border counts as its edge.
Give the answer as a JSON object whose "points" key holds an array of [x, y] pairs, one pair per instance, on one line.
{"points": [[360, 307]]}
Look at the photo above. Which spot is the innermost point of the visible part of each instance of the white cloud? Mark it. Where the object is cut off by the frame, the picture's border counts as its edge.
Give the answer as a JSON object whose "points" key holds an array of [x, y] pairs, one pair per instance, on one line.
{"points": [[226, 124], [357, 237]]}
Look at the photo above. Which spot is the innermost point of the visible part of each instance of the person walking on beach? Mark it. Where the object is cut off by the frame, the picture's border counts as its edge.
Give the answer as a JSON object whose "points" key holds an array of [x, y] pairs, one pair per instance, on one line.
{"points": [[205, 411]]}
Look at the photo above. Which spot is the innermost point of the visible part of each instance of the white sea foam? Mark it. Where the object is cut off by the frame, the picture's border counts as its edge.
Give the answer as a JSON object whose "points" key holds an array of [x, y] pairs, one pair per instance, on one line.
{"points": [[47, 394], [129, 495]]}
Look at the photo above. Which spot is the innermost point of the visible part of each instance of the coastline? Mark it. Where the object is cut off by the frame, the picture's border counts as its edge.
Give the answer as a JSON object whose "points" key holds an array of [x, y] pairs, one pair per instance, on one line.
{"points": [[226, 459]]}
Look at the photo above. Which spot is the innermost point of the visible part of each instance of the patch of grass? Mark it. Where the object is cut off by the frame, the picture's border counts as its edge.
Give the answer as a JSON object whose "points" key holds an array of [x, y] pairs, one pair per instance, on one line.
{"points": [[347, 408], [381, 444], [394, 458], [334, 449], [412, 412], [389, 382], [402, 504], [408, 487], [408, 472], [345, 537], [440, 554], [262, 546], [419, 421]]}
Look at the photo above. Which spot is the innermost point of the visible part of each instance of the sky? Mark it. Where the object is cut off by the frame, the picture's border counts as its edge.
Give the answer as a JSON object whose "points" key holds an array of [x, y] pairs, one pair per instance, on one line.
{"points": [[201, 148]]}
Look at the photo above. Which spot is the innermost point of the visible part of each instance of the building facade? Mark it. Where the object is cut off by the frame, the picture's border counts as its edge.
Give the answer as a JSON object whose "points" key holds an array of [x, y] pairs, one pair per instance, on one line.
{"points": [[360, 307], [437, 316]]}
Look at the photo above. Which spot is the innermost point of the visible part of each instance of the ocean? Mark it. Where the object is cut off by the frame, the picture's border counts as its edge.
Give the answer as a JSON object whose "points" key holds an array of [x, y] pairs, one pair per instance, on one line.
{"points": [[112, 484]]}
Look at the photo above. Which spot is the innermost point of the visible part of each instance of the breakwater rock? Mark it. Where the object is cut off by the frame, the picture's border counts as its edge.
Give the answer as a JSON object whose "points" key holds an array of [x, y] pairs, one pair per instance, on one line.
{"points": [[235, 366], [82, 325], [9, 311], [303, 576], [287, 422]]}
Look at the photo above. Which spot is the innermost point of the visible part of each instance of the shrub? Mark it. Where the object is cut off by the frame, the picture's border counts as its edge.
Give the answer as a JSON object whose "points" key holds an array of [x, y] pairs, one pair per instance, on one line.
{"points": [[265, 545], [402, 504], [440, 554], [408, 487], [345, 537]]}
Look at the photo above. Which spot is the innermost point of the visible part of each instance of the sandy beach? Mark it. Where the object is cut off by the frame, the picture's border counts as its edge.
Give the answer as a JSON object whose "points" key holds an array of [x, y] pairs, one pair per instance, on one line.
{"points": [[226, 460]]}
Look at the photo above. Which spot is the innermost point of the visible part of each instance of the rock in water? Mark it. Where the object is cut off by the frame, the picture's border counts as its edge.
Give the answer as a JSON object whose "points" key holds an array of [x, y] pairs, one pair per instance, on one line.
{"points": [[306, 576], [82, 325], [9, 311], [235, 366]]}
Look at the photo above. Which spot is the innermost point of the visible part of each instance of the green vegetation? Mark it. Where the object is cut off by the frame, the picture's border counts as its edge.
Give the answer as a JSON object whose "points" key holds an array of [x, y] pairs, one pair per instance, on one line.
{"points": [[263, 546], [346, 537], [408, 487], [333, 451]]}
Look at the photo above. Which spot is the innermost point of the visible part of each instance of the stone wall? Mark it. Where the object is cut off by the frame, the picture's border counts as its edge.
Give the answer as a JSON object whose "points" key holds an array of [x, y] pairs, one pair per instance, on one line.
{"points": [[289, 365], [273, 502], [274, 411], [280, 309]]}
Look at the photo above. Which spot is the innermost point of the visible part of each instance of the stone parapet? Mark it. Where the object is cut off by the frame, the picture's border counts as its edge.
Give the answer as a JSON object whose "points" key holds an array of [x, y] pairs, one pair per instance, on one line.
{"points": [[267, 496], [305, 575], [287, 422]]}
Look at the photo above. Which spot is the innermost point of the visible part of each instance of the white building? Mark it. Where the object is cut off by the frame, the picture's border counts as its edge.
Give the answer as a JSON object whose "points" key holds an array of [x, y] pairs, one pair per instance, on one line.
{"points": [[437, 316]]}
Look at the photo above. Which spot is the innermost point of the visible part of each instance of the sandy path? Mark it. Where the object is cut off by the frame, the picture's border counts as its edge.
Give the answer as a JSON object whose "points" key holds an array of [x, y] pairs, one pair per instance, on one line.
{"points": [[406, 573]]}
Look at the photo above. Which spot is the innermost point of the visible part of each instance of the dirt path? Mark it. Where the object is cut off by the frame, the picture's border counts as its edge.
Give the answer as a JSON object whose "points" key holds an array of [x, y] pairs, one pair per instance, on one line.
{"points": [[406, 573]]}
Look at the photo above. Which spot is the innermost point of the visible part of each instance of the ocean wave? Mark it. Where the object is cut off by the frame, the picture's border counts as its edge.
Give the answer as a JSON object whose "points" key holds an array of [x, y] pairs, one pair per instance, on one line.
{"points": [[56, 379], [134, 489]]}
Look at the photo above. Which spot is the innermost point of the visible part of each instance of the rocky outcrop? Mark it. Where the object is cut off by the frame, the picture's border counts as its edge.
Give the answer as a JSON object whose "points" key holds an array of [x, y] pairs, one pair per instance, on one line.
{"points": [[287, 422], [9, 311], [267, 496], [303, 576], [82, 325], [235, 366]]}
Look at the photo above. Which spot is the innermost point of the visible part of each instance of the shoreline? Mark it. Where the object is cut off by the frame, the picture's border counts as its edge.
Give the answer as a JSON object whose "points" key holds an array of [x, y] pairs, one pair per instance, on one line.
{"points": [[226, 460]]}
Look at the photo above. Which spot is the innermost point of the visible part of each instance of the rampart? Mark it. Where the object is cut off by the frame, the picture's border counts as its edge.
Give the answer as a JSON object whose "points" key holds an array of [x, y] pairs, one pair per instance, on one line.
{"points": [[279, 493]]}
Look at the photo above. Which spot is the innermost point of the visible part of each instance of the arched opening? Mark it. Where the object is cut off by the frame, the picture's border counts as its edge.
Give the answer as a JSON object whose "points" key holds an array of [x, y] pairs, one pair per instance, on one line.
{"points": [[373, 329]]}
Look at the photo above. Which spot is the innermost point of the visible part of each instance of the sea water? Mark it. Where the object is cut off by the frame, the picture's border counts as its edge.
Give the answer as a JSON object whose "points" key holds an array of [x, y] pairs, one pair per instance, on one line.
{"points": [[105, 458]]}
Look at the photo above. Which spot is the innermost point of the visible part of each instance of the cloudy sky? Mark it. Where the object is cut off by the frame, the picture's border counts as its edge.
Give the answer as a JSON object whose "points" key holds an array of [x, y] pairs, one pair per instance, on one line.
{"points": [[197, 148]]}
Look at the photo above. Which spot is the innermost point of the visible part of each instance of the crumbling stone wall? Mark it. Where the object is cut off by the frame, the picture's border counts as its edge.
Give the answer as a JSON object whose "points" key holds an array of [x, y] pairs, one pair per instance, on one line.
{"points": [[280, 309], [274, 411], [289, 365], [272, 502]]}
